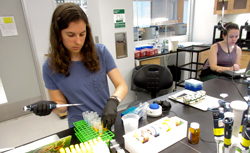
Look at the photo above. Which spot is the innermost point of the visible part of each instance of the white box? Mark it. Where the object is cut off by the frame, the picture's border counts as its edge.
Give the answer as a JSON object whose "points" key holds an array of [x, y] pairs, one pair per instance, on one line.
{"points": [[156, 144]]}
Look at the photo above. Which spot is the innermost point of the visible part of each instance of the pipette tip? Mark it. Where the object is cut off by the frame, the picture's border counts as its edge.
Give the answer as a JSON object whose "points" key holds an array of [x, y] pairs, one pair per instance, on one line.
{"points": [[25, 108]]}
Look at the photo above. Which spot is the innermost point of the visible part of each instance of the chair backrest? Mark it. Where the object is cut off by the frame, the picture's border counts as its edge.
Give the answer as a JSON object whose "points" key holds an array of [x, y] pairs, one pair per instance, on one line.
{"points": [[152, 78]]}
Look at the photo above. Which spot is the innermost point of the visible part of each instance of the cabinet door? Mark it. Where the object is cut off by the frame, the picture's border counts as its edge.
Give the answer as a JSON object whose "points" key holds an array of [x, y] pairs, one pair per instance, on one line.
{"points": [[239, 6], [218, 4], [232, 6]]}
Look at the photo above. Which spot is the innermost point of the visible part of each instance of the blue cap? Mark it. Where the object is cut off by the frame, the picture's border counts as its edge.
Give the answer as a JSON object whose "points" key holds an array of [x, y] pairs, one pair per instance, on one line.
{"points": [[138, 48], [150, 46], [154, 106]]}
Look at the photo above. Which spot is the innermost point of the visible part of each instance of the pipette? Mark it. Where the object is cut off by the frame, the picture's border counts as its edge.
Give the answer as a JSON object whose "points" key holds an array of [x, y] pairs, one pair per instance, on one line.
{"points": [[52, 106]]}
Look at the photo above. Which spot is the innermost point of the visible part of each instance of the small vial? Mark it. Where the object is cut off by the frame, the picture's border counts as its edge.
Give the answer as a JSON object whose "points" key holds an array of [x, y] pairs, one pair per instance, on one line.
{"points": [[61, 150], [194, 133]]}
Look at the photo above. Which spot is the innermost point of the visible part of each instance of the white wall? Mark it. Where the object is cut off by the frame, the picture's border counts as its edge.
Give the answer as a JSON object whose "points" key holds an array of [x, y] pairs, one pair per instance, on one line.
{"points": [[204, 20], [100, 14], [38, 18]]}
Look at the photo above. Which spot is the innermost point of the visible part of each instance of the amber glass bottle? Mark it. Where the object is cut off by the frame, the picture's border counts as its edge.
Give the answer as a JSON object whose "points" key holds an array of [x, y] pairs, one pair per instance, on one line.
{"points": [[194, 133]]}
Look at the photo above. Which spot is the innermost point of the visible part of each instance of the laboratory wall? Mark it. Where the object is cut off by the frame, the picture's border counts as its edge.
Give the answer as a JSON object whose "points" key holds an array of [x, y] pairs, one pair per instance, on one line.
{"points": [[38, 16], [101, 18], [204, 20], [17, 65]]}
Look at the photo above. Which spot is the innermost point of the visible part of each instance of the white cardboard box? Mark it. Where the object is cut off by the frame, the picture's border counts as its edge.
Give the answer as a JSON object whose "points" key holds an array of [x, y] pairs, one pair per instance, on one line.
{"points": [[156, 144]]}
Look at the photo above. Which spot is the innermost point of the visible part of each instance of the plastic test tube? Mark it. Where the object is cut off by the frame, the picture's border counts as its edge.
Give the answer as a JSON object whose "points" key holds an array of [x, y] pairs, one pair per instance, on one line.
{"points": [[61, 150], [78, 150], [88, 148], [67, 150], [82, 146]]}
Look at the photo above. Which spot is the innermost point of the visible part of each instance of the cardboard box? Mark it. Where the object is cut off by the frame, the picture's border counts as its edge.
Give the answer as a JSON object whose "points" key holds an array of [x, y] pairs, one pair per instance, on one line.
{"points": [[137, 54]]}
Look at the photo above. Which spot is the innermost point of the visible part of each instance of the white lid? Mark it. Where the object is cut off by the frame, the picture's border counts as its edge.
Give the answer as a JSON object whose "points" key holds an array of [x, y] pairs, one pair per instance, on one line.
{"points": [[221, 109], [195, 125], [239, 105]]}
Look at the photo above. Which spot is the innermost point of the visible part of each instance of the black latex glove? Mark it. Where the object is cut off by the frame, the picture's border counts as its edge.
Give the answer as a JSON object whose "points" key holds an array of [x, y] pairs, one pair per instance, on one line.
{"points": [[42, 108], [109, 113]]}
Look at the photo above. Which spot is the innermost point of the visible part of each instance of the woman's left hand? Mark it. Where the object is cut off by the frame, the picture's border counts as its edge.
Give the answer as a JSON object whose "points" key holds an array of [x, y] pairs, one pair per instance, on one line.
{"points": [[109, 113]]}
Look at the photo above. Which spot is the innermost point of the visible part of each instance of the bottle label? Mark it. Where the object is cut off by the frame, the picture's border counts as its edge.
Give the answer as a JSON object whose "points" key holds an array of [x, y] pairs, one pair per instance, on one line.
{"points": [[189, 135], [245, 142], [220, 123], [218, 131]]}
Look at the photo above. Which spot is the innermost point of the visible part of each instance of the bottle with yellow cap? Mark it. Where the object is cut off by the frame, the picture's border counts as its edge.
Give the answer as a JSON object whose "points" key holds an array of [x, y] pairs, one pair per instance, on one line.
{"points": [[194, 133]]}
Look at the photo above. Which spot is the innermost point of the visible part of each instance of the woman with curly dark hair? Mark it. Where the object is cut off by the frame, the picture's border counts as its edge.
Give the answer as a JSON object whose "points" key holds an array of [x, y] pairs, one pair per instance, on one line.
{"points": [[77, 68]]}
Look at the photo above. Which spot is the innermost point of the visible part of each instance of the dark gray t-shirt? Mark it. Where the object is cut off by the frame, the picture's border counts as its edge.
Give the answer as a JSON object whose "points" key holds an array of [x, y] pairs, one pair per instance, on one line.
{"points": [[223, 57], [82, 86]]}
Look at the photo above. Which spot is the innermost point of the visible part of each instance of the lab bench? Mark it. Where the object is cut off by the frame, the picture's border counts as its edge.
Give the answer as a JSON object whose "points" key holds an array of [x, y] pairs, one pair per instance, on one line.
{"points": [[188, 113]]}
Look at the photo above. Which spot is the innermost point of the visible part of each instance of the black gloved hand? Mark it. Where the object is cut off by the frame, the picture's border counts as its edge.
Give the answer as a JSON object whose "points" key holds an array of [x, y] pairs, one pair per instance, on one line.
{"points": [[42, 108], [109, 113]]}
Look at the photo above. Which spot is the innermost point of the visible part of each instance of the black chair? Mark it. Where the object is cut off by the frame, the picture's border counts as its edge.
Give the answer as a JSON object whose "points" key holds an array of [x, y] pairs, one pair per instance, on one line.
{"points": [[151, 78]]}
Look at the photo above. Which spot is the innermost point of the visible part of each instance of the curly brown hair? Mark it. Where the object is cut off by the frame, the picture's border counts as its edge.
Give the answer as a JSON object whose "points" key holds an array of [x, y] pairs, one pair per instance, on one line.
{"points": [[59, 57]]}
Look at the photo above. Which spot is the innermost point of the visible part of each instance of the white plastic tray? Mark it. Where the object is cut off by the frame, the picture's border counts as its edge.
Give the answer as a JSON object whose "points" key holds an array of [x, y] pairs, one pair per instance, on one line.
{"points": [[156, 144], [208, 102]]}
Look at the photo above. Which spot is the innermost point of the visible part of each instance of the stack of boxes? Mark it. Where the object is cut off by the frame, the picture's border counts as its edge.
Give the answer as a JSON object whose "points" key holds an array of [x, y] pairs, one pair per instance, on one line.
{"points": [[143, 51]]}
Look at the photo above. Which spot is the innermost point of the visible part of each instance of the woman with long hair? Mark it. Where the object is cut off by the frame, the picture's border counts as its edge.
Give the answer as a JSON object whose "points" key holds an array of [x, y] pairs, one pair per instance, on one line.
{"points": [[76, 70]]}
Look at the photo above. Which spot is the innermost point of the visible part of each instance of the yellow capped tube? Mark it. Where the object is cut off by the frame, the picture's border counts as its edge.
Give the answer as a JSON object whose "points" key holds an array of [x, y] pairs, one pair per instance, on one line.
{"points": [[73, 150], [67, 150], [78, 149], [61, 150], [88, 148], [95, 141], [71, 147], [83, 148], [92, 145]]}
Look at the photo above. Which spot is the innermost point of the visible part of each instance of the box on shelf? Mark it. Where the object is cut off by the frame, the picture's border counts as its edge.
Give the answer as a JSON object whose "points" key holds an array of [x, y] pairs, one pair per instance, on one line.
{"points": [[137, 54], [156, 143]]}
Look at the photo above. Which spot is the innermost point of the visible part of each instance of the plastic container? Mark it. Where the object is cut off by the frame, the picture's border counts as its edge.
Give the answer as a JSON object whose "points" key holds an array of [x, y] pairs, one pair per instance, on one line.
{"points": [[194, 85], [194, 133], [84, 132], [130, 122], [158, 141], [137, 54]]}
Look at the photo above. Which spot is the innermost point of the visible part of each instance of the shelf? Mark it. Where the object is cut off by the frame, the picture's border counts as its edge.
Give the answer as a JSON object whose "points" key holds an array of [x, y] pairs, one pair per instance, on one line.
{"points": [[194, 48], [193, 66]]}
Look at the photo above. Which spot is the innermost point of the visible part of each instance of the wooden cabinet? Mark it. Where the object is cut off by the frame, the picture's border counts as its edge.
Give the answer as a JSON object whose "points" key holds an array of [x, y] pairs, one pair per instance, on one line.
{"points": [[244, 59], [232, 6], [151, 61], [204, 56]]}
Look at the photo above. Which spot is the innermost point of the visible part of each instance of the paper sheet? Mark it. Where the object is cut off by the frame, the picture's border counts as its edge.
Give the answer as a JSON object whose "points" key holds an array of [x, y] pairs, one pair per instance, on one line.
{"points": [[8, 26], [34, 145]]}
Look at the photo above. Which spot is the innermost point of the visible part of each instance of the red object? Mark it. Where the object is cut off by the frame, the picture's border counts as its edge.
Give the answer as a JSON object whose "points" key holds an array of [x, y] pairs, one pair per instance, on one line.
{"points": [[150, 52], [143, 53], [137, 54], [155, 50]]}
